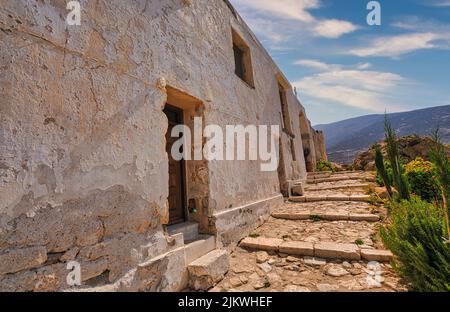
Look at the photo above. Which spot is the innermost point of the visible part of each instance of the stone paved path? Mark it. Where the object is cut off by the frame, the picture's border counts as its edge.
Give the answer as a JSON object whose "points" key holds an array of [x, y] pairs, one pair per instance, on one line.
{"points": [[282, 254]]}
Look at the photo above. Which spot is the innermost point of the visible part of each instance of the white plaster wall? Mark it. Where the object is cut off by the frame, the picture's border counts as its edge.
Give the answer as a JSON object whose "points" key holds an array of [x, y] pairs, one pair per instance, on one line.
{"points": [[82, 128]]}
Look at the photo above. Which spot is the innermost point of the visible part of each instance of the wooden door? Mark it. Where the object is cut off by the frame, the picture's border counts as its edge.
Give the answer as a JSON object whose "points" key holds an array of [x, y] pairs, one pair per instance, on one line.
{"points": [[176, 170]]}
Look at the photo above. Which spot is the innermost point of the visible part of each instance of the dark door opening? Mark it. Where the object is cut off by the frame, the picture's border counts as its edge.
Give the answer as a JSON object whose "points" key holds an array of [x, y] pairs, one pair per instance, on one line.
{"points": [[177, 206]]}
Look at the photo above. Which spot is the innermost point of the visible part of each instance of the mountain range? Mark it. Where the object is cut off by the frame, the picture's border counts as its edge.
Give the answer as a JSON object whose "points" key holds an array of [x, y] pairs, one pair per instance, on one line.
{"points": [[345, 139]]}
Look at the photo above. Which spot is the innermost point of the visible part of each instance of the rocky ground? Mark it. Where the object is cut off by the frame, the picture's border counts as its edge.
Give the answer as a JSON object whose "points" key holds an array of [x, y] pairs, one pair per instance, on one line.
{"points": [[269, 270]]}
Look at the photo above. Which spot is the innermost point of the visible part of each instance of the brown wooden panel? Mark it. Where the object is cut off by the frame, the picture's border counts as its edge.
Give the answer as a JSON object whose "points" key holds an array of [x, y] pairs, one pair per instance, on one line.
{"points": [[176, 171]]}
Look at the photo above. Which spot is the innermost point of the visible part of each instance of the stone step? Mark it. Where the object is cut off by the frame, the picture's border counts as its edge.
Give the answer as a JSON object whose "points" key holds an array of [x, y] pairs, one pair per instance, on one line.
{"points": [[330, 173], [189, 230], [331, 179], [340, 178], [207, 271], [337, 187], [308, 199], [200, 247], [325, 250], [349, 172], [319, 172], [329, 216], [319, 175]]}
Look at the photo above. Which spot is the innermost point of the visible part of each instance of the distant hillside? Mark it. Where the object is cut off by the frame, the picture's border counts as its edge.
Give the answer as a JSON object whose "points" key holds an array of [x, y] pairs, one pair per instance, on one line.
{"points": [[410, 147], [345, 139]]}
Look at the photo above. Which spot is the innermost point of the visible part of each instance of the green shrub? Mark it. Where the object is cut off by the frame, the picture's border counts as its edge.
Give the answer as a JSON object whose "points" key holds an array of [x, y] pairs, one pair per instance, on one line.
{"points": [[416, 237], [350, 167], [422, 179], [439, 158], [324, 165], [388, 168], [381, 170], [393, 152]]}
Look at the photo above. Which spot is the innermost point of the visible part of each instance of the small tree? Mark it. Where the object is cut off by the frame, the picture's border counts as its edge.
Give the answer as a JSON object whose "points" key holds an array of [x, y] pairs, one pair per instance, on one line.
{"points": [[400, 181], [379, 162]]}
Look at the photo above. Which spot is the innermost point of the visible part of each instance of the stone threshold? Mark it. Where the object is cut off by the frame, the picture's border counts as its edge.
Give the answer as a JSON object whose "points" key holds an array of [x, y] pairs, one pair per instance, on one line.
{"points": [[351, 198], [331, 216], [325, 250]]}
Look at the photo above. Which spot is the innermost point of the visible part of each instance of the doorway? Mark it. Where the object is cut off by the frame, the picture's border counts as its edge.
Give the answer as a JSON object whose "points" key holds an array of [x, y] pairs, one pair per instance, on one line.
{"points": [[177, 199]]}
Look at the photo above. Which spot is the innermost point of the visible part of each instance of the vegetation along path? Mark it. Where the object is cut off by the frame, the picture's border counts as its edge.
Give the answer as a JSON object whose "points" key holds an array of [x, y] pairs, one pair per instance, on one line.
{"points": [[326, 240]]}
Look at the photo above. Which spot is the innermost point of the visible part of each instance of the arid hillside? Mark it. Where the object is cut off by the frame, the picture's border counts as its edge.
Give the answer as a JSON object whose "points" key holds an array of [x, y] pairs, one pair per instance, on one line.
{"points": [[411, 147]]}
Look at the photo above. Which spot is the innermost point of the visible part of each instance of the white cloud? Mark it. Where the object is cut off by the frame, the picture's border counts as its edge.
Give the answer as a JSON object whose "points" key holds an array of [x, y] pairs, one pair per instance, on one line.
{"points": [[295, 12], [398, 45], [270, 30], [364, 66], [372, 91], [441, 4], [321, 66], [333, 28], [290, 9], [317, 65]]}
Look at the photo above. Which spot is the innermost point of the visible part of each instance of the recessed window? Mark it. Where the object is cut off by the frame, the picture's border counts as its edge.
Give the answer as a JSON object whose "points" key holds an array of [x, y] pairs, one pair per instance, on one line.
{"points": [[242, 59]]}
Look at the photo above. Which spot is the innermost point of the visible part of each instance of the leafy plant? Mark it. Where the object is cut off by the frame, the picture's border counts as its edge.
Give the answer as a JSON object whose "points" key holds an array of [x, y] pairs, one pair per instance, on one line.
{"points": [[381, 169], [359, 242], [375, 200], [399, 178], [422, 178], [373, 237], [388, 167], [324, 165], [415, 237]]}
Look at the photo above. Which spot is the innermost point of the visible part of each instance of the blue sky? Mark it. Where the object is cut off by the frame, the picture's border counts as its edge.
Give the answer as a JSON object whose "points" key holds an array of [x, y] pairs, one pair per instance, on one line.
{"points": [[344, 68]]}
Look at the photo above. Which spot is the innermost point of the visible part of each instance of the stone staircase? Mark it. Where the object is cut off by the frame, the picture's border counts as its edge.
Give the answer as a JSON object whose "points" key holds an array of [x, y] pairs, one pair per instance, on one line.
{"points": [[190, 261], [321, 177], [189, 230], [327, 186], [325, 250], [329, 232], [317, 192], [206, 264], [196, 245]]}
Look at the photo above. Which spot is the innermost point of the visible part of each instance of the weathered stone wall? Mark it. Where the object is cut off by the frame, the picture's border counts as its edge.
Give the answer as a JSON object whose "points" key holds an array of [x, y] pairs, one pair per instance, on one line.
{"points": [[307, 134], [83, 166], [319, 144]]}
